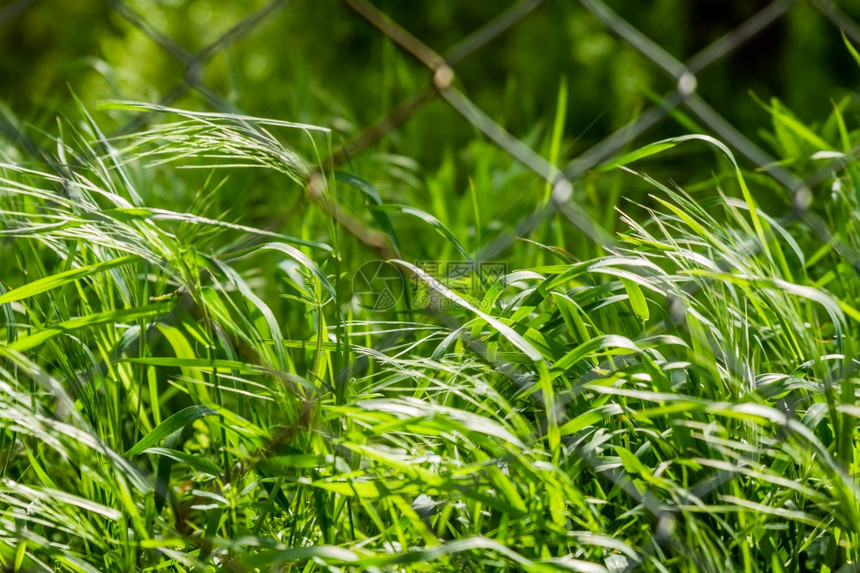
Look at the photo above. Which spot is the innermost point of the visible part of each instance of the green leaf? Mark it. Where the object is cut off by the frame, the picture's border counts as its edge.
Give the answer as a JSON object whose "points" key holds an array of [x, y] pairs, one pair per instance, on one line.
{"points": [[572, 314], [175, 422], [637, 299], [513, 336], [381, 217], [48, 283], [196, 462], [271, 559], [641, 153], [590, 418], [606, 342], [122, 316], [433, 222], [851, 49]]}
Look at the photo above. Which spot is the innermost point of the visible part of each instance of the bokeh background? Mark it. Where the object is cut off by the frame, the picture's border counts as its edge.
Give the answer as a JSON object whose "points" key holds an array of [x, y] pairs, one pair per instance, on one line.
{"points": [[318, 62], [321, 63]]}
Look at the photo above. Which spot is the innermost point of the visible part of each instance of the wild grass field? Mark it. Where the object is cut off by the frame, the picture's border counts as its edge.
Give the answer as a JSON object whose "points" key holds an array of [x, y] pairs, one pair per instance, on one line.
{"points": [[221, 352]]}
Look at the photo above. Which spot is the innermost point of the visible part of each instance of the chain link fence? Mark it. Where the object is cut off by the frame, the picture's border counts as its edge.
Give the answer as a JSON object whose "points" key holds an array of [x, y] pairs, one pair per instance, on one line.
{"points": [[442, 68]]}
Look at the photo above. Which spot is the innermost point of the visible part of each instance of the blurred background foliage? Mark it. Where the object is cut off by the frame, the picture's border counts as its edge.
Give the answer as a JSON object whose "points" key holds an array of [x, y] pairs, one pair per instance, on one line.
{"points": [[319, 63]]}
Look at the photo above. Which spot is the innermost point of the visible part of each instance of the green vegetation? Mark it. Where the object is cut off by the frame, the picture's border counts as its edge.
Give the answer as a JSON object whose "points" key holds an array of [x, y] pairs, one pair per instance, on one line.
{"points": [[206, 366]]}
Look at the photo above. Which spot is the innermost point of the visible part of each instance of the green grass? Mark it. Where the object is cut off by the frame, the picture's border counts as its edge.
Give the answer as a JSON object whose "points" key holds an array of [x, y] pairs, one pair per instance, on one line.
{"points": [[190, 383]]}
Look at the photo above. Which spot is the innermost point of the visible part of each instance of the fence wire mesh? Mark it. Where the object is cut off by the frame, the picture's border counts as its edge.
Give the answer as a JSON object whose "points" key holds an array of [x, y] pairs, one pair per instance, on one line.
{"points": [[563, 179], [442, 86]]}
